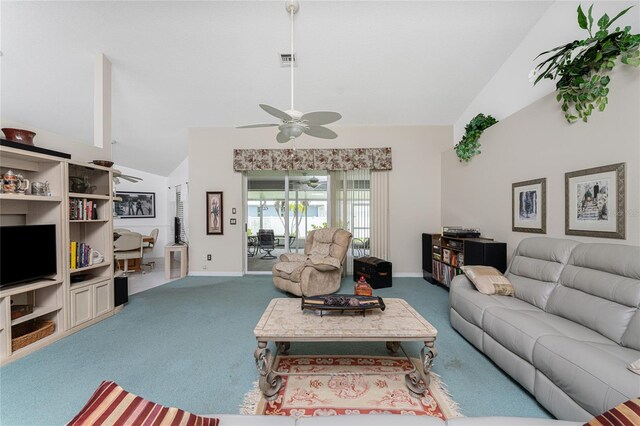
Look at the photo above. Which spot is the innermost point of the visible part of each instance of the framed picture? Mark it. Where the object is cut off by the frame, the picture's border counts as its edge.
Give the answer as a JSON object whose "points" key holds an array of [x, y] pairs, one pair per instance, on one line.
{"points": [[595, 202], [135, 205], [529, 206], [215, 220]]}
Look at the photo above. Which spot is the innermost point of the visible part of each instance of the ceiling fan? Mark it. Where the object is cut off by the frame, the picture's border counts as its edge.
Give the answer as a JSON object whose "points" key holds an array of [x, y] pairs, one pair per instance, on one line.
{"points": [[117, 175], [295, 123]]}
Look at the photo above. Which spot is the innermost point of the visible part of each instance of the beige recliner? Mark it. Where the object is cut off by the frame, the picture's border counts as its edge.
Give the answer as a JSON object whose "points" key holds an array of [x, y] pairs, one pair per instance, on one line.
{"points": [[318, 270]]}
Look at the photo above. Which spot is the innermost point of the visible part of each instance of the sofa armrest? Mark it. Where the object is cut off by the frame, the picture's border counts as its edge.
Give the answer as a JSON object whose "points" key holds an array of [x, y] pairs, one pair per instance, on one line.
{"points": [[461, 281]]}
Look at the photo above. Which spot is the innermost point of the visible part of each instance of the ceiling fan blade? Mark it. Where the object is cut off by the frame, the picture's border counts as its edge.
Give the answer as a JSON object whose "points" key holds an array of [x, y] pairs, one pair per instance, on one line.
{"points": [[321, 132], [253, 126], [282, 138], [276, 112], [131, 178], [318, 118]]}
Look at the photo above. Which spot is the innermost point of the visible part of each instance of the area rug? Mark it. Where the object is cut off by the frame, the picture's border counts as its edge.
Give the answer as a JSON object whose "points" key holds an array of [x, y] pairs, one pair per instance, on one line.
{"points": [[343, 389]]}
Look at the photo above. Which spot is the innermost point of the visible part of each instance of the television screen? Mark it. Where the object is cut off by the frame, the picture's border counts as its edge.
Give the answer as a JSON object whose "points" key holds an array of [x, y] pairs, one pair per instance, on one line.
{"points": [[27, 253], [177, 231]]}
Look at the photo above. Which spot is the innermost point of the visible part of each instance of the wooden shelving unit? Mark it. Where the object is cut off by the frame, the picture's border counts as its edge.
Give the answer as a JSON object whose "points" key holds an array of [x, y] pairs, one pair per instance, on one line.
{"points": [[91, 294], [443, 256], [90, 298], [47, 296]]}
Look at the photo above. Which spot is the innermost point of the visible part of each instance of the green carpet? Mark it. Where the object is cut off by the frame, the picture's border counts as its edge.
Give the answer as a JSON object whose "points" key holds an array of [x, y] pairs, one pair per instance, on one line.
{"points": [[190, 344]]}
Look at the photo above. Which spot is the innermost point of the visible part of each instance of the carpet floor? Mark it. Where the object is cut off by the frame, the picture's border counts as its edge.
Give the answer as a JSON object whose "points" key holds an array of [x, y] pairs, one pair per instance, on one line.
{"points": [[190, 343]]}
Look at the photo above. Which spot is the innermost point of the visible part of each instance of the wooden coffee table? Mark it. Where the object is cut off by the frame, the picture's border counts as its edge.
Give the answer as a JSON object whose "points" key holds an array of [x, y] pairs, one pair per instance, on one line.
{"points": [[284, 322]]}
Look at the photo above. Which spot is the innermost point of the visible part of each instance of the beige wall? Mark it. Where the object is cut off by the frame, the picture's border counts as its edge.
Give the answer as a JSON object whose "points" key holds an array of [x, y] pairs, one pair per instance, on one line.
{"points": [[414, 187], [537, 142]]}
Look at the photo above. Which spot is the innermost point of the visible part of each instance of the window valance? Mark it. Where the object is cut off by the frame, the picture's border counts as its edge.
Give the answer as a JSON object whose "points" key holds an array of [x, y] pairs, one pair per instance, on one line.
{"points": [[312, 159]]}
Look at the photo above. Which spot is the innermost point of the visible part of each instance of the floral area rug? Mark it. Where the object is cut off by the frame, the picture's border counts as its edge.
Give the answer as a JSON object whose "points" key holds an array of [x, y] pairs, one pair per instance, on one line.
{"points": [[343, 389]]}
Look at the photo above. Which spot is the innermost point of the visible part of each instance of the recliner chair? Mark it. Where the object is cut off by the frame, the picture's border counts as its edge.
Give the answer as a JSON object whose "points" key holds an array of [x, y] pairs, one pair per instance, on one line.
{"points": [[317, 271]]}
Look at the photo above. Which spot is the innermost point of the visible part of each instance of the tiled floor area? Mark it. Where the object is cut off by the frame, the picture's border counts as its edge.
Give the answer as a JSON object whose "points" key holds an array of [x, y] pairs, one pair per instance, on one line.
{"points": [[154, 277]]}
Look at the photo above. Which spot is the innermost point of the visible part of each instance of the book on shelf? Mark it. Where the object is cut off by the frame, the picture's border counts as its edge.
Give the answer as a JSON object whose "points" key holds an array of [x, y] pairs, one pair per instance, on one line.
{"points": [[83, 209], [80, 255]]}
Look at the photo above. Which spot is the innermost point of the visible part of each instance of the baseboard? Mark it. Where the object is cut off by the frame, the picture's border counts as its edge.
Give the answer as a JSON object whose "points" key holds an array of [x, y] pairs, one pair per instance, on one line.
{"points": [[407, 275], [214, 274]]}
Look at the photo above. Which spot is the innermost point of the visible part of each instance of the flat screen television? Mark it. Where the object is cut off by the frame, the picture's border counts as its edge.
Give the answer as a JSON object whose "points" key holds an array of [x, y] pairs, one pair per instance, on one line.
{"points": [[176, 230], [27, 253]]}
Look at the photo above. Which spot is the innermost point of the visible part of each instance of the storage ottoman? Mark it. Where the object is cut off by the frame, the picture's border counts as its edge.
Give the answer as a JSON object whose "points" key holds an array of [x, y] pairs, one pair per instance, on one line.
{"points": [[377, 272]]}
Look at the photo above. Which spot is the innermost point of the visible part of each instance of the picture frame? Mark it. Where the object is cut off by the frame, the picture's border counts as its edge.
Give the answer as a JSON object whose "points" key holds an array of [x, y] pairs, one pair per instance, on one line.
{"points": [[135, 205], [595, 202], [215, 218], [529, 206]]}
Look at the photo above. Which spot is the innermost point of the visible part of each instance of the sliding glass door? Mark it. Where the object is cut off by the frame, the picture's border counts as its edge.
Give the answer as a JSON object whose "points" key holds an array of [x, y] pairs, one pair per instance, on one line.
{"points": [[281, 208]]}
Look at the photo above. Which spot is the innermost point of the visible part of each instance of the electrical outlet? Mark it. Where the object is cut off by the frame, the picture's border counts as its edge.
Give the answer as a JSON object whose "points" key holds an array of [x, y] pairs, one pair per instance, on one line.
{"points": [[209, 257]]}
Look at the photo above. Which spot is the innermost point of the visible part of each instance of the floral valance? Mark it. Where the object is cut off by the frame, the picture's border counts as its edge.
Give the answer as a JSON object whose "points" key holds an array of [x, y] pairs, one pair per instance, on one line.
{"points": [[312, 159]]}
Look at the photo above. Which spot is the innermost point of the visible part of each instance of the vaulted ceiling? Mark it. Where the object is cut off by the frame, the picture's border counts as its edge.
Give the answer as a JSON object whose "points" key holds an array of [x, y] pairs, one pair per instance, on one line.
{"points": [[179, 64]]}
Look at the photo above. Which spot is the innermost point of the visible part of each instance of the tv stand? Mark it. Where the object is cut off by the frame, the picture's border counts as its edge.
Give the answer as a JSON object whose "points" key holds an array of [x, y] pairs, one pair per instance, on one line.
{"points": [[168, 259]]}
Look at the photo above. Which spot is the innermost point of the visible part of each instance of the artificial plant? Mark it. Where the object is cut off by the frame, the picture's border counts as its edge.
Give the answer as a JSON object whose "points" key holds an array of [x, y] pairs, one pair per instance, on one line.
{"points": [[469, 145], [582, 65]]}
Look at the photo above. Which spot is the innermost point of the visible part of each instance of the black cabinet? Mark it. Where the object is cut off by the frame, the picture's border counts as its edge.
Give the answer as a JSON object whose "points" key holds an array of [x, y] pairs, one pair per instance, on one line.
{"points": [[442, 256]]}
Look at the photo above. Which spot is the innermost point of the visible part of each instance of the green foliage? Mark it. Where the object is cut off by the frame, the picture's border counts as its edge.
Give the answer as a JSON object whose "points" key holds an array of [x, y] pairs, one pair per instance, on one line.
{"points": [[581, 65], [469, 145], [314, 226]]}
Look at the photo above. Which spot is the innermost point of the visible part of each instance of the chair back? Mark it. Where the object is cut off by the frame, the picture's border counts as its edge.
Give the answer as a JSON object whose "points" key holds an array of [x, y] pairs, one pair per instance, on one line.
{"points": [[333, 242], [130, 242], [266, 238]]}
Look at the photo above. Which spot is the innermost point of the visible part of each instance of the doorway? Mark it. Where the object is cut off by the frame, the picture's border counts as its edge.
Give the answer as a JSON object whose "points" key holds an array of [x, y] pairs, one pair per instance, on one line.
{"points": [[282, 207]]}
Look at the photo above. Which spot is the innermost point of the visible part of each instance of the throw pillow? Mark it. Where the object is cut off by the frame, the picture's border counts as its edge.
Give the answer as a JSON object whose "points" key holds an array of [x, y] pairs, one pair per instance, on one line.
{"points": [[627, 413], [112, 405], [635, 366], [488, 280]]}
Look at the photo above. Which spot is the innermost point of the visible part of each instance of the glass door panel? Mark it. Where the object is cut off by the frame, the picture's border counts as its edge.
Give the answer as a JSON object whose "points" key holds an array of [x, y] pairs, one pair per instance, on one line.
{"points": [[286, 204]]}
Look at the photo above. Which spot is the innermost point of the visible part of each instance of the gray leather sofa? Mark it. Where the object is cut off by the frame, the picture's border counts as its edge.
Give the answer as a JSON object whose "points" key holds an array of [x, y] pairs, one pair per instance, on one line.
{"points": [[572, 328]]}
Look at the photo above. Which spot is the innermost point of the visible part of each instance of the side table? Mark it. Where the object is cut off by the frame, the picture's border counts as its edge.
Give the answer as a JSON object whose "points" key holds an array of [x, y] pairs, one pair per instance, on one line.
{"points": [[168, 258]]}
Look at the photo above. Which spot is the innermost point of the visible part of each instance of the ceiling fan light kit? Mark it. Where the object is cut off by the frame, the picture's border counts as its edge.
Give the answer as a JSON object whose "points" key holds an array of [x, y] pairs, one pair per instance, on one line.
{"points": [[295, 123]]}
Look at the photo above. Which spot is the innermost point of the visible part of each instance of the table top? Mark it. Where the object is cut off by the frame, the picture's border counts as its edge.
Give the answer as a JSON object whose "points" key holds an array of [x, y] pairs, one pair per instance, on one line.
{"points": [[285, 321]]}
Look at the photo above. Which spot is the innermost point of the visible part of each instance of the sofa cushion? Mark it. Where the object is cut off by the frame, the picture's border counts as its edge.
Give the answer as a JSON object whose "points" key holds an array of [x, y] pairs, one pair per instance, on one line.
{"points": [[488, 280], [593, 378], [515, 330], [600, 289], [470, 304], [627, 413], [536, 266], [112, 405]]}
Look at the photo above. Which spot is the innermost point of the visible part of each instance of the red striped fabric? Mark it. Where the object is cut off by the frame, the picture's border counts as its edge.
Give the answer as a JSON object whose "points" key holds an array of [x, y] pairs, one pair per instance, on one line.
{"points": [[625, 414], [110, 405]]}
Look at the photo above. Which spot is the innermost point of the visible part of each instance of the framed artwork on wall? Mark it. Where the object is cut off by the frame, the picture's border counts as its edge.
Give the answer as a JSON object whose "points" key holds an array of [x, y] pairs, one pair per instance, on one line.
{"points": [[529, 206], [215, 220], [135, 205], [595, 202]]}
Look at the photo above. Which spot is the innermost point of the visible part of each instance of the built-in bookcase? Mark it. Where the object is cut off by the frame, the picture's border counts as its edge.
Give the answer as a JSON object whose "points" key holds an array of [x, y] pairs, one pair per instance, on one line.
{"points": [[72, 298]]}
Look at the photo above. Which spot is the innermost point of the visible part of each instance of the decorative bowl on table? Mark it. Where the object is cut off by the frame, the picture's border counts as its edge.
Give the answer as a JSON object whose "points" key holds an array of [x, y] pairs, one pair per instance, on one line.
{"points": [[19, 135]]}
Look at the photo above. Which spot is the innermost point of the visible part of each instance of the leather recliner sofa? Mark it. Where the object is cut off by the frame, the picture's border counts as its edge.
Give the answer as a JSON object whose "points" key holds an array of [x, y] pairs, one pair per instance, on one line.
{"points": [[572, 328]]}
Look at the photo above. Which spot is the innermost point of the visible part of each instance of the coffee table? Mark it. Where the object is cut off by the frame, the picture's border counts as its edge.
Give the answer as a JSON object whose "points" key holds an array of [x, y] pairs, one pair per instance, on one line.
{"points": [[284, 322]]}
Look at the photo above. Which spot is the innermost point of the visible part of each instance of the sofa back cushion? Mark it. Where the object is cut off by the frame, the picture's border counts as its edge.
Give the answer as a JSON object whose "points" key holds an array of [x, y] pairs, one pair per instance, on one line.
{"points": [[600, 289], [536, 266]]}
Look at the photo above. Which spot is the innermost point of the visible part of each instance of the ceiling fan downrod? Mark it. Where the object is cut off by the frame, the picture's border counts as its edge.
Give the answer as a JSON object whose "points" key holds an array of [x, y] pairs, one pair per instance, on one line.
{"points": [[292, 6]]}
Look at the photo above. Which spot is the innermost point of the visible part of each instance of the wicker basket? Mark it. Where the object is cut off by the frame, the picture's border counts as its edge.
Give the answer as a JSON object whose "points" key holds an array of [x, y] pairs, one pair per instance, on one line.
{"points": [[31, 331]]}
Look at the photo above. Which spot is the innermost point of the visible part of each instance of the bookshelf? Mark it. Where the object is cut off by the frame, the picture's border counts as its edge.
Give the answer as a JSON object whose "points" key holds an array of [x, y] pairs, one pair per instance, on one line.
{"points": [[73, 298], [46, 297], [443, 256], [90, 234]]}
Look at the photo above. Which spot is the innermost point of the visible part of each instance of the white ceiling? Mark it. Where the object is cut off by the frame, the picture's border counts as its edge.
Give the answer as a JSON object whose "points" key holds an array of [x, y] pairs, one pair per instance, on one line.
{"points": [[190, 64]]}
